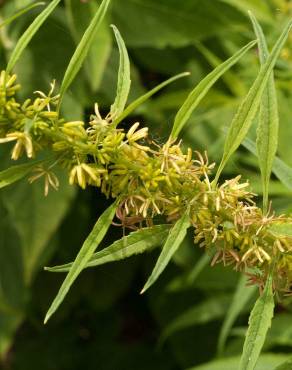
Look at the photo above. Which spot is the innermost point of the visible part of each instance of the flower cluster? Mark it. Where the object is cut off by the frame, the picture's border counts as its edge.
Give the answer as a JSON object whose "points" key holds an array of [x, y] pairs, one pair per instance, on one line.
{"points": [[151, 181]]}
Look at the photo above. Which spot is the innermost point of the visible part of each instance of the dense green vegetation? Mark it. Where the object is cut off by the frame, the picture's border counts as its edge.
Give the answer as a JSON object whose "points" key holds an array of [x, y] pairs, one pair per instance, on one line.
{"points": [[194, 316]]}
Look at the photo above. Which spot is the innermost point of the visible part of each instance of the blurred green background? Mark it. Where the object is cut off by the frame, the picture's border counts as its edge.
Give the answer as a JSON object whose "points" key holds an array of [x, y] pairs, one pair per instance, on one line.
{"points": [[104, 323]]}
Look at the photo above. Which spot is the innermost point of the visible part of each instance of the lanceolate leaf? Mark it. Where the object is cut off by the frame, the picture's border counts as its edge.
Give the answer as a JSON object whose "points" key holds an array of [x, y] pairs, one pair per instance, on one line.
{"points": [[267, 132], [241, 297], [83, 47], [186, 281], [202, 88], [136, 103], [259, 323], [267, 361], [16, 173], [210, 309], [99, 52], [135, 243], [280, 168], [19, 13], [234, 82], [249, 107], [124, 80], [175, 238], [89, 246], [287, 365], [28, 35]]}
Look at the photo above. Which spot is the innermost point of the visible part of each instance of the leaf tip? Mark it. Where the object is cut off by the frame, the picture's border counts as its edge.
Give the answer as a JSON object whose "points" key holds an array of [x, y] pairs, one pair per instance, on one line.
{"points": [[47, 318], [146, 286], [114, 27]]}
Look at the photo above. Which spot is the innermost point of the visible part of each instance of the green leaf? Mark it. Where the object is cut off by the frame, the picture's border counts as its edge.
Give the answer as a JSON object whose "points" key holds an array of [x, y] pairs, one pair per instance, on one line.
{"points": [[15, 173], [283, 172], [258, 7], [158, 24], [83, 48], [280, 168], [281, 229], [280, 333], [20, 12], [234, 82], [36, 218], [268, 126], [202, 88], [240, 299], [91, 243], [99, 52], [124, 80], [210, 309], [136, 103], [259, 322], [175, 238], [136, 242], [9, 323], [28, 222], [267, 361], [12, 288], [249, 106], [287, 365], [186, 281], [28, 35]]}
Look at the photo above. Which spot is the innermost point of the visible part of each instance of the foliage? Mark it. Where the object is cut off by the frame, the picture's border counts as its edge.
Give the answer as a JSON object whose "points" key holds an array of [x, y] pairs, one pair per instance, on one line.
{"points": [[157, 182]]}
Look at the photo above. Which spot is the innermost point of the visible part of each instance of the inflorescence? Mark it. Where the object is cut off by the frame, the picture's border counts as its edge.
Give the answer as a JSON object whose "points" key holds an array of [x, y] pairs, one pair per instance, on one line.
{"points": [[152, 182]]}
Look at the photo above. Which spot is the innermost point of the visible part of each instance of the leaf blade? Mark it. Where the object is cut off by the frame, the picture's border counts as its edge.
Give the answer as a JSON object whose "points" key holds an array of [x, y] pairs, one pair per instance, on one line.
{"points": [[92, 241], [202, 313], [268, 126], [249, 106], [202, 88], [15, 173], [259, 322], [124, 80], [83, 48], [240, 298], [135, 243], [287, 365], [175, 238], [136, 103], [21, 12], [28, 34], [280, 168]]}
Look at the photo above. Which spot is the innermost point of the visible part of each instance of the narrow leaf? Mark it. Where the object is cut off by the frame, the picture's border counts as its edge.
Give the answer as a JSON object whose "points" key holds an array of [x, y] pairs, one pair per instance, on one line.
{"points": [[89, 246], [267, 361], [287, 365], [136, 103], [202, 88], [259, 322], [249, 107], [186, 281], [234, 82], [268, 127], [15, 173], [83, 48], [124, 80], [135, 243], [210, 309], [240, 299], [280, 168], [19, 13], [175, 238], [28, 35]]}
